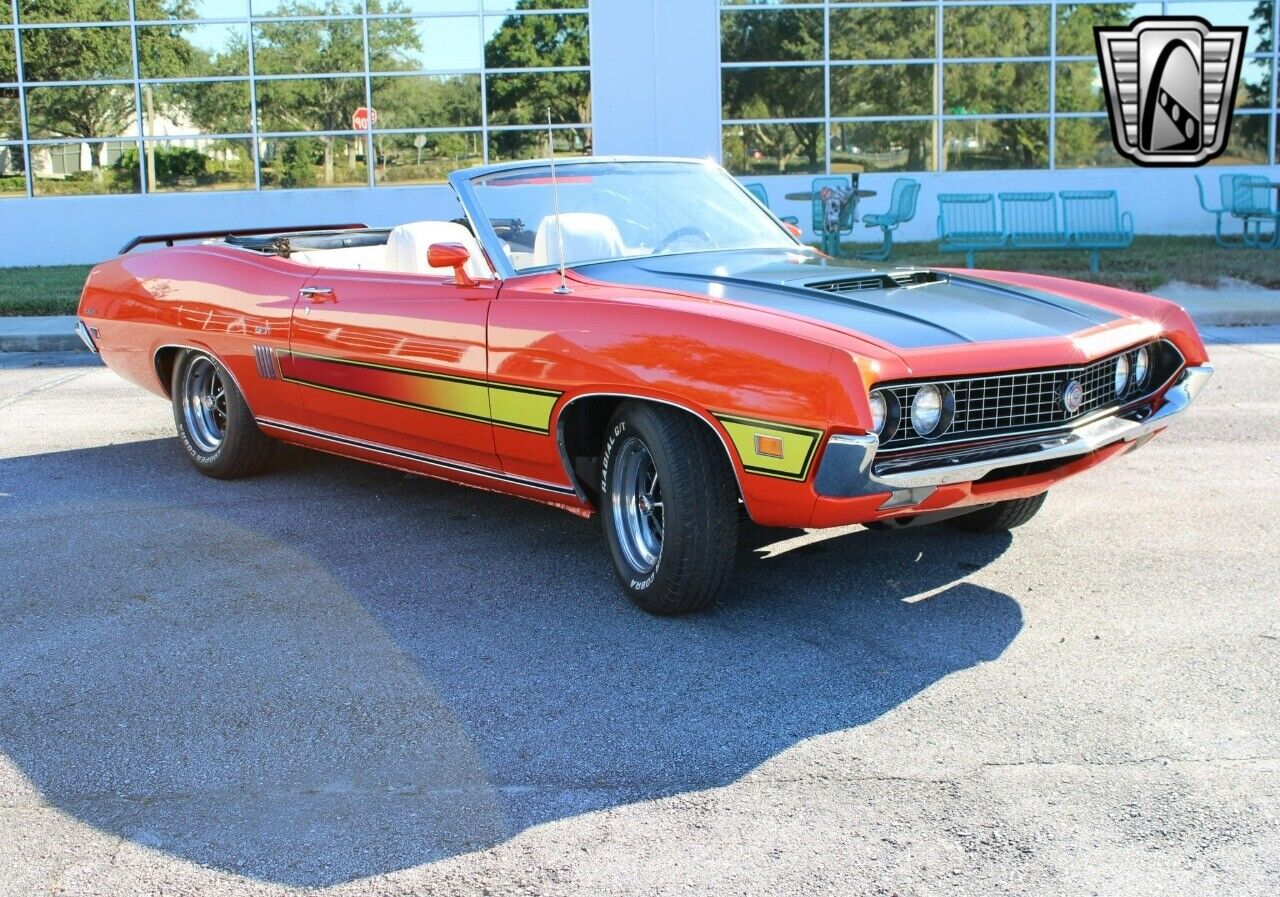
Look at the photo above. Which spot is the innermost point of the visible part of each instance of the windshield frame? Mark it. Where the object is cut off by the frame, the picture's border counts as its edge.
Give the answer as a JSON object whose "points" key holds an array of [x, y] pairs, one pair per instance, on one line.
{"points": [[464, 188]]}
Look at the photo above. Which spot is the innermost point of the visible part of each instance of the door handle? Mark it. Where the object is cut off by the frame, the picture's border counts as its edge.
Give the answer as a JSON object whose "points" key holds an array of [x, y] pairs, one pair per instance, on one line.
{"points": [[319, 295]]}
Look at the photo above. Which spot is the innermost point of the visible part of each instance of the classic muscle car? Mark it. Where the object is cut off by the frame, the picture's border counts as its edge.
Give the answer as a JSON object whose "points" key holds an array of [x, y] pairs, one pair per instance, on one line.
{"points": [[643, 340]]}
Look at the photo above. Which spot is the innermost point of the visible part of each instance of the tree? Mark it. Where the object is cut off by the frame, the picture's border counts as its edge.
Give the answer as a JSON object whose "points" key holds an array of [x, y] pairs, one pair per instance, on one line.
{"points": [[521, 98]]}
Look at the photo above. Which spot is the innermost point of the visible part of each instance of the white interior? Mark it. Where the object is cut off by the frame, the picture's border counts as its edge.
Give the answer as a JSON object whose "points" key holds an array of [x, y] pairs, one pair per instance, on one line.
{"points": [[585, 235], [405, 251]]}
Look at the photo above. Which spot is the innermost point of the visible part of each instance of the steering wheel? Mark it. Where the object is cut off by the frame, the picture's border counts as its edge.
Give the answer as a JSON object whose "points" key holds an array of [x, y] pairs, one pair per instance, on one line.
{"points": [[691, 231]]}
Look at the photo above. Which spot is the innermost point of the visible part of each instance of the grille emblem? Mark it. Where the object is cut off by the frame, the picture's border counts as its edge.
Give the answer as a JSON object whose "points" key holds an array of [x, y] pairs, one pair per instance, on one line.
{"points": [[1073, 396]]}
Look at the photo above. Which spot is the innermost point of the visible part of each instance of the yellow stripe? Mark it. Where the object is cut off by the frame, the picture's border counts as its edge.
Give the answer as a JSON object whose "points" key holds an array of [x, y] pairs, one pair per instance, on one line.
{"points": [[798, 446], [522, 409]]}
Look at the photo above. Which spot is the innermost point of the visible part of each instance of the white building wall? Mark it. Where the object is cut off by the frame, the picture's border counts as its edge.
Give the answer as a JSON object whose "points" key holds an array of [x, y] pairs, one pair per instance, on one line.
{"points": [[656, 90]]}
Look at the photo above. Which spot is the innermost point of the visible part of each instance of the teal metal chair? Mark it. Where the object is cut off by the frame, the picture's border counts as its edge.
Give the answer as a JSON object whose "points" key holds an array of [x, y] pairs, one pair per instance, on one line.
{"points": [[902, 208], [967, 223], [831, 227], [1251, 204], [759, 192], [1094, 222], [1031, 221], [1225, 209]]}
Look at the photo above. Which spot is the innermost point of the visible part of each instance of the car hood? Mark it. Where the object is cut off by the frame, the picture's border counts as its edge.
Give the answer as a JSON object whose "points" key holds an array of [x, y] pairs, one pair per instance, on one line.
{"points": [[907, 308]]}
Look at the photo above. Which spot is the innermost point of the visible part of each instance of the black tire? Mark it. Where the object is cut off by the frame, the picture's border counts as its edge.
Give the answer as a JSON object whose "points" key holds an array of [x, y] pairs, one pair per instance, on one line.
{"points": [[240, 449], [1001, 516], [696, 500]]}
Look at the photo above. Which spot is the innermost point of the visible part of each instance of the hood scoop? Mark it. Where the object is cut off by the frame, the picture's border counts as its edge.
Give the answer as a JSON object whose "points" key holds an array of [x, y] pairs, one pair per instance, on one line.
{"points": [[888, 281]]}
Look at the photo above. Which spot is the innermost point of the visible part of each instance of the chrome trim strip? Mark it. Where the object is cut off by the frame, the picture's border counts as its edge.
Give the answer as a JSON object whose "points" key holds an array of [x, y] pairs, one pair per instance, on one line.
{"points": [[85, 337], [847, 468], [405, 454]]}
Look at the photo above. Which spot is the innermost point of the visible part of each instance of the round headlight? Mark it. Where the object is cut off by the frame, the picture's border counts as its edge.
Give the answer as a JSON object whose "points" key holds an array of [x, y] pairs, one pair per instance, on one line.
{"points": [[1122, 374], [1141, 365], [879, 411], [926, 410]]}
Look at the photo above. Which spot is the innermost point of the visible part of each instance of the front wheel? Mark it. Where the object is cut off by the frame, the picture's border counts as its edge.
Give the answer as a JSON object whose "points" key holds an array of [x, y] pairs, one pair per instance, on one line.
{"points": [[669, 509], [1001, 516], [215, 426]]}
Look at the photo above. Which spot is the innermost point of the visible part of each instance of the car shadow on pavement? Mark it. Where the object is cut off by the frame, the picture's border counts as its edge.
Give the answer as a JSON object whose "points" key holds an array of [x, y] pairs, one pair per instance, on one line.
{"points": [[336, 671]]}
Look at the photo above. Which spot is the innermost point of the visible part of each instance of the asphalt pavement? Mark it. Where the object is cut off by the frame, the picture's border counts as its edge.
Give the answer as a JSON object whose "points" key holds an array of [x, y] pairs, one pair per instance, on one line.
{"points": [[343, 678]]}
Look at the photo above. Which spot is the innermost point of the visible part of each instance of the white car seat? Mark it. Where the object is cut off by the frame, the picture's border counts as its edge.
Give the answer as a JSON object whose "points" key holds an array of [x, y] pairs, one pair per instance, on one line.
{"points": [[588, 236], [408, 243]]}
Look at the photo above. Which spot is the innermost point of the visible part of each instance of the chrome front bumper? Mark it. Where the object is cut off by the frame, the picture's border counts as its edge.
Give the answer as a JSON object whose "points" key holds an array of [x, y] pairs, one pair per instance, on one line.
{"points": [[848, 464]]}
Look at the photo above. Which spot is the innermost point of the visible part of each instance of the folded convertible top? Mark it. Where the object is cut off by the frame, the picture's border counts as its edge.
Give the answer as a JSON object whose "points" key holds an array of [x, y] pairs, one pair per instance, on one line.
{"points": [[170, 239]]}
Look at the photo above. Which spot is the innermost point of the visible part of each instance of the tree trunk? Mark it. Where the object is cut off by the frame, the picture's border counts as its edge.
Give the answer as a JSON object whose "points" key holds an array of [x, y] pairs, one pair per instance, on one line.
{"points": [[328, 160]]}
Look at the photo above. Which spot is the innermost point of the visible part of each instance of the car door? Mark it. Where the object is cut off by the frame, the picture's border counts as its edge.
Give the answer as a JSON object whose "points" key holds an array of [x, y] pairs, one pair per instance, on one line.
{"points": [[395, 359]]}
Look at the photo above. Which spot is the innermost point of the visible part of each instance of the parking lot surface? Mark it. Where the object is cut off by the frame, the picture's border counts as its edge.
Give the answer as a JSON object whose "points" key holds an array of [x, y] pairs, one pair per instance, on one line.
{"points": [[343, 678]]}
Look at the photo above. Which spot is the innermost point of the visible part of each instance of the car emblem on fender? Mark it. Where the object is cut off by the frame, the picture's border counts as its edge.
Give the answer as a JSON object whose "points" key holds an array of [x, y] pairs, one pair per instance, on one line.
{"points": [[1073, 396], [1171, 86]]}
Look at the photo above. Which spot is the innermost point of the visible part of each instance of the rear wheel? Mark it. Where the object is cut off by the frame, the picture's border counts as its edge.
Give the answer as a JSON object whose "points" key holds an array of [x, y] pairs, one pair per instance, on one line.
{"points": [[669, 509], [215, 427], [1001, 516]]}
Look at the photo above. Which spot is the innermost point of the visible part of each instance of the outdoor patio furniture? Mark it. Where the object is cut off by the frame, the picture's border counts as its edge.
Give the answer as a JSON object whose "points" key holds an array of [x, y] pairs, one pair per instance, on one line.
{"points": [[1220, 211], [1031, 221], [967, 223], [834, 200], [758, 190], [1093, 221], [1251, 204], [902, 208]]}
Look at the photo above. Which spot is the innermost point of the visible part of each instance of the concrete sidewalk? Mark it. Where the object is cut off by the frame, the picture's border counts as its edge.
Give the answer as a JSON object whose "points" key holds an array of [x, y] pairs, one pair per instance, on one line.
{"points": [[1234, 304]]}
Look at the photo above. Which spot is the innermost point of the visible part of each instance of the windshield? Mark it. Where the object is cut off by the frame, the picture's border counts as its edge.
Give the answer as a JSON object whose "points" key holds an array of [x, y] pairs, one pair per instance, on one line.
{"points": [[611, 210]]}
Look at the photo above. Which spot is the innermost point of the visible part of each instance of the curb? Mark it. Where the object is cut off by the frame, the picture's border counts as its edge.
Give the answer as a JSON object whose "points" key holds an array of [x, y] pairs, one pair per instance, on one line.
{"points": [[41, 342]]}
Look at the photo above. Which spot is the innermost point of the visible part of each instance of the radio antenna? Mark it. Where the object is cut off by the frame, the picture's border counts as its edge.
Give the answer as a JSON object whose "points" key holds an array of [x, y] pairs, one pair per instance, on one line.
{"points": [[555, 201]]}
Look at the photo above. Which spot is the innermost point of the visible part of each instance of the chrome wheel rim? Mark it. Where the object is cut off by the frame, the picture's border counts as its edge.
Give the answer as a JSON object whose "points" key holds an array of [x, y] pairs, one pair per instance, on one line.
{"points": [[637, 506], [204, 405]]}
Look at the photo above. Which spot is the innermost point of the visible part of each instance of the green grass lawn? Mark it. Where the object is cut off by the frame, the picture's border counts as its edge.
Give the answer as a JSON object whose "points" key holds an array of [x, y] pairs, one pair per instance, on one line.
{"points": [[1148, 264]]}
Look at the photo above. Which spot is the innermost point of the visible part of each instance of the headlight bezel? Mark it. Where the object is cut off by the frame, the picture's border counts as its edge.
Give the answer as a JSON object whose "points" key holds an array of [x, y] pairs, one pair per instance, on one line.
{"points": [[1120, 383], [892, 415], [1140, 369], [946, 410]]}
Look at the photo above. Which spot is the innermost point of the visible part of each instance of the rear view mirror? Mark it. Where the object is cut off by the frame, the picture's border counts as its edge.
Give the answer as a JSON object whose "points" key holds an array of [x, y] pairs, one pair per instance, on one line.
{"points": [[451, 255]]}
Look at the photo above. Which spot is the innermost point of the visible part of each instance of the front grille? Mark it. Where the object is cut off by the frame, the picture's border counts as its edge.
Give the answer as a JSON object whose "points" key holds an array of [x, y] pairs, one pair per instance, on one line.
{"points": [[999, 404]]}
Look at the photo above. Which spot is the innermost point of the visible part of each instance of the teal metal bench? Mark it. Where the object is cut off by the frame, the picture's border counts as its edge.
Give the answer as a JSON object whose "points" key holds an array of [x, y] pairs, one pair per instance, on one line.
{"points": [[902, 208], [759, 192], [1031, 221], [967, 223], [1094, 222]]}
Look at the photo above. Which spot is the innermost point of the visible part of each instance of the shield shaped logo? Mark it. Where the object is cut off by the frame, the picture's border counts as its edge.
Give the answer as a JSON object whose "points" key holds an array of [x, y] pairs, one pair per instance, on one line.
{"points": [[1170, 86]]}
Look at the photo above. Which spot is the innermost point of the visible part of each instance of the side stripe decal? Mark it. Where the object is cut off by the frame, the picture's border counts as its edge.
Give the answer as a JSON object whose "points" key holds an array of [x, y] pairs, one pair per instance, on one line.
{"points": [[798, 446], [407, 455], [523, 408]]}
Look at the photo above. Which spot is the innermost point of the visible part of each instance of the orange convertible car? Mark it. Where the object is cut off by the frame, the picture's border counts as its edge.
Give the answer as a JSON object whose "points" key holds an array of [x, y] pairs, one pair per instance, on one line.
{"points": [[688, 359]]}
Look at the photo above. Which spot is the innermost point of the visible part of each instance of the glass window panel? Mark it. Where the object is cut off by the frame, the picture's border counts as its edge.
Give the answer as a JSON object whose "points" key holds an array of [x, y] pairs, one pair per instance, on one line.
{"points": [[13, 181], [77, 54], [417, 7], [183, 166], [300, 162], [187, 51], [793, 92], [1254, 91], [766, 149], [425, 158], [1079, 88], [10, 122], [427, 101], [505, 146], [94, 11], [8, 58], [84, 169], [1076, 22], [1000, 144], [525, 42], [1256, 16], [305, 7], [862, 90], [191, 9], [309, 104], [995, 31], [882, 146], [100, 110], [771, 35], [1247, 141], [438, 44], [503, 5], [326, 45], [523, 99], [1086, 143], [882, 33], [196, 107], [985, 87]]}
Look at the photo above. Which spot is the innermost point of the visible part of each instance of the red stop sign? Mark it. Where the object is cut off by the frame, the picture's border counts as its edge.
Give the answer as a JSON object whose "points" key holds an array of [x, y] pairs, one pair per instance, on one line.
{"points": [[363, 117]]}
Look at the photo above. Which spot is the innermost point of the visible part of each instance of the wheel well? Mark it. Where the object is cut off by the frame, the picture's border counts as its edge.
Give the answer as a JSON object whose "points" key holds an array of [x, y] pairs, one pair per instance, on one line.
{"points": [[166, 358], [582, 427]]}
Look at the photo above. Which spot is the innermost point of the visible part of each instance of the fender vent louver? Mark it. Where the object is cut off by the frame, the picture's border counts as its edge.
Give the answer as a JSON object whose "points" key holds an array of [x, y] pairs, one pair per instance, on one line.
{"points": [[888, 281]]}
